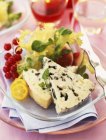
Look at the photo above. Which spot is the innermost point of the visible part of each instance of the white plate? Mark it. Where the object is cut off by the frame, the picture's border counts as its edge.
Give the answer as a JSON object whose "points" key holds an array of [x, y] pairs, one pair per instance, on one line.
{"points": [[29, 107]]}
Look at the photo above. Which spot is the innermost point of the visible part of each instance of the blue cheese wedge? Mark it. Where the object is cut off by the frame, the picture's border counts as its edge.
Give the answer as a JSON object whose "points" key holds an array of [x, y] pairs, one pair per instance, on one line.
{"points": [[41, 96], [69, 91], [68, 88]]}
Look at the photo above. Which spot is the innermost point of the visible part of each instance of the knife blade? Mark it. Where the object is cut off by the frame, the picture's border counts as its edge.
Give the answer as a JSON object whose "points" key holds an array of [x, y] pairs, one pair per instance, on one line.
{"points": [[94, 59]]}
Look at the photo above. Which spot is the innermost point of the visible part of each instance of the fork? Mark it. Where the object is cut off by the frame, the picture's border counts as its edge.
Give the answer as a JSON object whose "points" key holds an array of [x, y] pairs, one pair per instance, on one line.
{"points": [[103, 84], [100, 72]]}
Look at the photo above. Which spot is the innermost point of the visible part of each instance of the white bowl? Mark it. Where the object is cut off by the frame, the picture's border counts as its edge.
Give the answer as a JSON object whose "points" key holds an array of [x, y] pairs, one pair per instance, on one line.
{"points": [[18, 6]]}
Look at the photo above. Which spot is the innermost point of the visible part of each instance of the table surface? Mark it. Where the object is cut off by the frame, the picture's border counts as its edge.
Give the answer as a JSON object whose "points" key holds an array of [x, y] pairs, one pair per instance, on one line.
{"points": [[96, 133]]}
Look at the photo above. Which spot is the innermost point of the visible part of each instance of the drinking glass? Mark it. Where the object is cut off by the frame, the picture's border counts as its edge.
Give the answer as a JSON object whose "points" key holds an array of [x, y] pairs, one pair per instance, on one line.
{"points": [[91, 14], [48, 11]]}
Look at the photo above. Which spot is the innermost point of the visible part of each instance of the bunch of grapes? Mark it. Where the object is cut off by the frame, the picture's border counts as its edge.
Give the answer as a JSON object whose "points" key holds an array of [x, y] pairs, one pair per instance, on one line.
{"points": [[12, 58]]}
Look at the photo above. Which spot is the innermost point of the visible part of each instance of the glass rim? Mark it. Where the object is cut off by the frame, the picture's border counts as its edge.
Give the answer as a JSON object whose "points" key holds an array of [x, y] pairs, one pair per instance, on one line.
{"points": [[76, 14]]}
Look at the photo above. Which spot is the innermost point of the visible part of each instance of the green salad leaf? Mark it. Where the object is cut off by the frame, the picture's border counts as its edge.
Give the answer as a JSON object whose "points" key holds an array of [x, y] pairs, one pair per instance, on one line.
{"points": [[66, 32], [39, 46], [82, 71], [45, 74], [85, 76], [41, 58], [10, 4], [42, 85], [30, 62]]}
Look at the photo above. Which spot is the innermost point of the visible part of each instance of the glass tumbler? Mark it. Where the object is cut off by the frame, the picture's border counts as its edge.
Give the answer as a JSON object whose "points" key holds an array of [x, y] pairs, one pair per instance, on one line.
{"points": [[48, 11], [91, 14]]}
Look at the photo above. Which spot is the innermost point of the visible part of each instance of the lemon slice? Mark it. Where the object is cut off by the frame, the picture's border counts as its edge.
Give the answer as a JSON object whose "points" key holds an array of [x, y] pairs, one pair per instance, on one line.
{"points": [[18, 81], [19, 92], [19, 89]]}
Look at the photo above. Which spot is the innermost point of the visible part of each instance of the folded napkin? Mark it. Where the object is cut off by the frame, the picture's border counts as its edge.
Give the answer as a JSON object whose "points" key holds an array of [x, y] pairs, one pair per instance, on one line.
{"points": [[32, 124]]}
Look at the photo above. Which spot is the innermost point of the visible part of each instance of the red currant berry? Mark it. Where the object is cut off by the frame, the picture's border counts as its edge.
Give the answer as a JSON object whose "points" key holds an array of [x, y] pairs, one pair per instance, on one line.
{"points": [[7, 63], [8, 75], [17, 57], [18, 51], [13, 68], [15, 41], [15, 75], [7, 46], [6, 69], [12, 60], [7, 56]]}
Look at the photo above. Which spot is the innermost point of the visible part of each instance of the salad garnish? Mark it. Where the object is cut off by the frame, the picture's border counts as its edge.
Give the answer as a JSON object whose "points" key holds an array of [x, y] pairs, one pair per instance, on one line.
{"points": [[49, 42]]}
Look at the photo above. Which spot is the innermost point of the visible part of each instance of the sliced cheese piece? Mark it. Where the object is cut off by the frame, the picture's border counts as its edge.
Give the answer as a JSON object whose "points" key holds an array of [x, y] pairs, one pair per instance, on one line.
{"points": [[68, 89], [41, 96]]}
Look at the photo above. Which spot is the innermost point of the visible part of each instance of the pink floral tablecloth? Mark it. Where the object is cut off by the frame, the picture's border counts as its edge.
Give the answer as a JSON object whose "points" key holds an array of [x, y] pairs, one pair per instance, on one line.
{"points": [[96, 133]]}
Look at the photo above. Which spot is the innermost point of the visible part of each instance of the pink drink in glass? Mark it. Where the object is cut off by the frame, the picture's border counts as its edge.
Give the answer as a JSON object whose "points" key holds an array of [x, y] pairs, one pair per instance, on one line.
{"points": [[48, 10]]}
